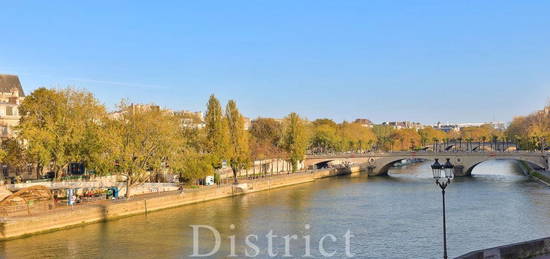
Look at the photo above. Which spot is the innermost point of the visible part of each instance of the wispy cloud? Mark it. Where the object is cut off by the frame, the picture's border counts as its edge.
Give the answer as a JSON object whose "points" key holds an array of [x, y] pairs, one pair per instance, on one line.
{"points": [[123, 84], [61, 80]]}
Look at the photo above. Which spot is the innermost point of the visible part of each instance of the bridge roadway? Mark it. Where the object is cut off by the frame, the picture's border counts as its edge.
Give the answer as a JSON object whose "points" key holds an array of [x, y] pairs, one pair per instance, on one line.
{"points": [[378, 163]]}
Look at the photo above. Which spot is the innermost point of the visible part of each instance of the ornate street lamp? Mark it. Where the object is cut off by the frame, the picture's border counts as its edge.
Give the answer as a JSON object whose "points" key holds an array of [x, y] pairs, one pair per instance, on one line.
{"points": [[443, 174]]}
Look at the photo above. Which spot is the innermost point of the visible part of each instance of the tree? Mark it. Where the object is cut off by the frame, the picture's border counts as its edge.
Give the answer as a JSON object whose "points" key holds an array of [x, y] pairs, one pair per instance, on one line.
{"points": [[532, 131], [190, 161], [405, 138], [325, 121], [383, 135], [355, 137], [143, 141], [13, 153], [60, 127], [217, 135], [42, 112], [266, 138], [295, 139], [518, 127], [429, 135], [482, 132], [325, 138], [239, 153], [86, 116], [192, 166]]}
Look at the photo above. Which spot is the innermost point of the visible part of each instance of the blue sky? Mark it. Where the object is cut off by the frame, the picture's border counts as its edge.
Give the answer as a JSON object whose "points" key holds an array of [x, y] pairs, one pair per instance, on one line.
{"points": [[427, 61]]}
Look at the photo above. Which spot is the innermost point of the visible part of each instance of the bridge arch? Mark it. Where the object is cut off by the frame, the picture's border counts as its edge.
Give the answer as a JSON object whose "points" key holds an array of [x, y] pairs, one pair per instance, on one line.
{"points": [[379, 163], [386, 168], [468, 169], [381, 166], [322, 164], [464, 165]]}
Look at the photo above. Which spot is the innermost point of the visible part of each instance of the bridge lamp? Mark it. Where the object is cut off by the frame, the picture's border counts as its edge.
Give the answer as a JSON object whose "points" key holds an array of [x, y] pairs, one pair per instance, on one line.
{"points": [[449, 170], [436, 169]]}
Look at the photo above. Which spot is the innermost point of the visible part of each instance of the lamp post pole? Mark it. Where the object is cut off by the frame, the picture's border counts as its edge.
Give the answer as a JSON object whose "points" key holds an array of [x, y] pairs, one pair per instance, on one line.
{"points": [[443, 186], [443, 174]]}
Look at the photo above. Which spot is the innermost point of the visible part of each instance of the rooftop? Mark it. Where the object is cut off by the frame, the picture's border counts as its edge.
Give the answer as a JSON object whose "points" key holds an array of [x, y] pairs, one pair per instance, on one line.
{"points": [[10, 82]]}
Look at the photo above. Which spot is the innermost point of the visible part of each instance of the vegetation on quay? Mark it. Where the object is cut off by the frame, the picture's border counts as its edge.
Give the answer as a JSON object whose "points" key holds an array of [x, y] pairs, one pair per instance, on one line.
{"points": [[145, 142], [532, 131], [139, 142]]}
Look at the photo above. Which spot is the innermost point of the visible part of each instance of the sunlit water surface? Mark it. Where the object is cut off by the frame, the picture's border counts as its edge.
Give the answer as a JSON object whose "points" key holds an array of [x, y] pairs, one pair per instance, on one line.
{"points": [[390, 217]]}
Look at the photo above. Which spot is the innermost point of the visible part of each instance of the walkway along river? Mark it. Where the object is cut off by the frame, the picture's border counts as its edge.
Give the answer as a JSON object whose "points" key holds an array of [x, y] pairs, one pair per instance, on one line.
{"points": [[390, 217]]}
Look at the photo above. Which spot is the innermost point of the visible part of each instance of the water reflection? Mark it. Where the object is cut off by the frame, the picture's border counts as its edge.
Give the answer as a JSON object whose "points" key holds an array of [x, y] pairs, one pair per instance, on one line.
{"points": [[391, 217]]}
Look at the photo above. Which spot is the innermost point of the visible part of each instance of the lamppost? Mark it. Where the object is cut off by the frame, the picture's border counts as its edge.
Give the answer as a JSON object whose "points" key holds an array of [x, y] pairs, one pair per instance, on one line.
{"points": [[443, 174]]}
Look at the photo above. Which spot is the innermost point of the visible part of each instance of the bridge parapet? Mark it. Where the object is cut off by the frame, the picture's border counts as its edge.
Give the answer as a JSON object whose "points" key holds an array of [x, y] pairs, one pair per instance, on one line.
{"points": [[380, 163]]}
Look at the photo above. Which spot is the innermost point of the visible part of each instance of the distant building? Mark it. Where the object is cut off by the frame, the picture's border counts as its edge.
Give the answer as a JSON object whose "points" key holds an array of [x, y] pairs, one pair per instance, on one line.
{"points": [[447, 127], [403, 125], [198, 115], [247, 123], [144, 107], [191, 119], [133, 108], [11, 96], [495, 125], [498, 125], [364, 122]]}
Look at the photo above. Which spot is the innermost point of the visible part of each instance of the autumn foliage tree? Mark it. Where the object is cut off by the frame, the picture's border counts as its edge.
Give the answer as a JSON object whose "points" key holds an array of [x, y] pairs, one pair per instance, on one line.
{"points": [[217, 134], [429, 135], [266, 139], [60, 127], [324, 136], [239, 153], [406, 139], [532, 131], [356, 137], [295, 139], [143, 140]]}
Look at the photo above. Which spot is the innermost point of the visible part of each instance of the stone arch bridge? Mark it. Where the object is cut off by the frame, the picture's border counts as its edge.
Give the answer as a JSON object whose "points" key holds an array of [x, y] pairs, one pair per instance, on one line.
{"points": [[379, 163]]}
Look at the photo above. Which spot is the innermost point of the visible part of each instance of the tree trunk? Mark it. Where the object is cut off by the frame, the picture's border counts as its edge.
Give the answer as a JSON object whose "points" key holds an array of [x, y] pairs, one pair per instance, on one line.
{"points": [[235, 175], [127, 195], [56, 174], [38, 174]]}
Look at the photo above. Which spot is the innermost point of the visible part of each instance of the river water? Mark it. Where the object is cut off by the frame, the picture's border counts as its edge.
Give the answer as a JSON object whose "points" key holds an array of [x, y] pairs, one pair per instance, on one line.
{"points": [[388, 217]]}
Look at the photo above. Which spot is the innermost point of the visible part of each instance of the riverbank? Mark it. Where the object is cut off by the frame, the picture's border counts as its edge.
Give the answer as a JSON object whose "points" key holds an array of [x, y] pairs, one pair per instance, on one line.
{"points": [[540, 176], [528, 249], [17, 227]]}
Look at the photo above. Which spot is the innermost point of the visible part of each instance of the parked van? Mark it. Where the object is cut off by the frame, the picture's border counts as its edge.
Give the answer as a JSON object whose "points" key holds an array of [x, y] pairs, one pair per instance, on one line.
{"points": [[209, 180]]}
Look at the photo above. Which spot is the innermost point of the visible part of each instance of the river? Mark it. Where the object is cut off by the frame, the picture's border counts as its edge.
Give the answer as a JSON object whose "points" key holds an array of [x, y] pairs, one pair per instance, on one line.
{"points": [[388, 217]]}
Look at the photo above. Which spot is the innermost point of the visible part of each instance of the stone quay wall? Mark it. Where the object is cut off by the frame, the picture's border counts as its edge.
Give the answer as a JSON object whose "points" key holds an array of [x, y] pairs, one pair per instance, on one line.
{"points": [[529, 249], [15, 227], [540, 176]]}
